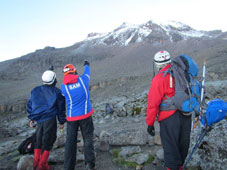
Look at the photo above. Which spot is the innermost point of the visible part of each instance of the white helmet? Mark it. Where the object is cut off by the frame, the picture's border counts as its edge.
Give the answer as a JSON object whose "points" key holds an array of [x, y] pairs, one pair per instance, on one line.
{"points": [[48, 77], [162, 57]]}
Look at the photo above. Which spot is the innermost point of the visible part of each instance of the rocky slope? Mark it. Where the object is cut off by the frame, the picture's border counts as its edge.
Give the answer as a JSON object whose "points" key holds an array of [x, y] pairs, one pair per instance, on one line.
{"points": [[121, 140], [121, 73]]}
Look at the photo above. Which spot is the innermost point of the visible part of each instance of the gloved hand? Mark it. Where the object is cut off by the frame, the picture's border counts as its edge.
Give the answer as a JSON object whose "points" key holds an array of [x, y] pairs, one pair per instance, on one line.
{"points": [[51, 68], [150, 130], [86, 63]]}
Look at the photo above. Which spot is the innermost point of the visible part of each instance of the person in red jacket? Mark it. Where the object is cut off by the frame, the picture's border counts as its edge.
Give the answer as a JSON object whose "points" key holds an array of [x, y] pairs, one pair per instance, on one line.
{"points": [[175, 127]]}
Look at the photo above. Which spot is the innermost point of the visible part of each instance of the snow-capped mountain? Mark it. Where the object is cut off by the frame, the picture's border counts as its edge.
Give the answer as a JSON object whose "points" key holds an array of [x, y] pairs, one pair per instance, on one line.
{"points": [[151, 31]]}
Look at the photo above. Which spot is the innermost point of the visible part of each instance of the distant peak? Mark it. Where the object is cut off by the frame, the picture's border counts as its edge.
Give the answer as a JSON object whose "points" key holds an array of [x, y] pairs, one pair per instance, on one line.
{"points": [[93, 34]]}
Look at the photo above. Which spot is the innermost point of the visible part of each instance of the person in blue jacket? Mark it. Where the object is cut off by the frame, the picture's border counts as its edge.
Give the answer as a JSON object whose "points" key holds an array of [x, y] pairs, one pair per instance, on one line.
{"points": [[79, 110], [44, 105]]}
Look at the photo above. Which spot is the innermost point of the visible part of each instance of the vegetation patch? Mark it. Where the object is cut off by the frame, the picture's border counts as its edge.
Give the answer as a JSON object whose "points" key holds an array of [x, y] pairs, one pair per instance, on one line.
{"points": [[120, 160], [150, 159], [115, 153], [124, 163], [136, 110]]}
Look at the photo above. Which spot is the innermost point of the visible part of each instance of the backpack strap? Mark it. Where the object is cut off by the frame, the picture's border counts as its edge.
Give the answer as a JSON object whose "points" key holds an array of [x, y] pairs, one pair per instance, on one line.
{"points": [[169, 70]]}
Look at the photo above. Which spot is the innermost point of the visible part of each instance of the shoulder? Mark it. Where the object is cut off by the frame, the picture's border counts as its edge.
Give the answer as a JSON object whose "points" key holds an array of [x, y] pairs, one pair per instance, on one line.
{"points": [[36, 88], [57, 89]]}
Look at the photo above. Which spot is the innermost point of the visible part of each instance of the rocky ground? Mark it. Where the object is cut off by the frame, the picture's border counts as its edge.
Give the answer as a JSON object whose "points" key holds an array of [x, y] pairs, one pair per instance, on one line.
{"points": [[121, 140]]}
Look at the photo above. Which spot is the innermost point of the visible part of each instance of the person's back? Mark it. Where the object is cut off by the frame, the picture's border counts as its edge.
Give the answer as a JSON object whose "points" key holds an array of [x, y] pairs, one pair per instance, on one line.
{"points": [[44, 100], [76, 91], [160, 89]]}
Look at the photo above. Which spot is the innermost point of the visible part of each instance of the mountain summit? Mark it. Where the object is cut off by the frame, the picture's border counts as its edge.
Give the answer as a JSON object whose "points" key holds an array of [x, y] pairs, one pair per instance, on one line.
{"points": [[151, 31]]}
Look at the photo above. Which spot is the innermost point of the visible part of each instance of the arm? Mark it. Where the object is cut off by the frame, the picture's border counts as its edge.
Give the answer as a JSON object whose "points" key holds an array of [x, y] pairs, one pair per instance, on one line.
{"points": [[61, 109], [29, 111], [154, 100], [86, 70]]}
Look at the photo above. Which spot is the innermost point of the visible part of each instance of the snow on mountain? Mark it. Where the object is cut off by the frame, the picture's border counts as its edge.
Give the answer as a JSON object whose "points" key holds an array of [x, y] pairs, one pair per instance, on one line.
{"points": [[123, 35], [184, 30], [131, 33]]}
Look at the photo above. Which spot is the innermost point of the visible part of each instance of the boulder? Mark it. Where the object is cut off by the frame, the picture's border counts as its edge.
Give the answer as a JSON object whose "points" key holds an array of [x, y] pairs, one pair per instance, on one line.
{"points": [[25, 163]]}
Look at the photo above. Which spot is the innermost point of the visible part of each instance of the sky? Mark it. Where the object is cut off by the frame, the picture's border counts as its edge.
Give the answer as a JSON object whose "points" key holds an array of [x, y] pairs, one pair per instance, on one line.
{"points": [[27, 25]]}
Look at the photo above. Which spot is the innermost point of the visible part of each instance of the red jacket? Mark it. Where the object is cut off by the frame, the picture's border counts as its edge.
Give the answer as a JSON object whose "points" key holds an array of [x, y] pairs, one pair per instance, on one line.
{"points": [[160, 87]]}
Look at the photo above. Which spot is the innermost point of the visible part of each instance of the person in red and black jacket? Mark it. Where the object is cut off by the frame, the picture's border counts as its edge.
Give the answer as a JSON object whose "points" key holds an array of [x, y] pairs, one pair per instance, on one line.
{"points": [[175, 128]]}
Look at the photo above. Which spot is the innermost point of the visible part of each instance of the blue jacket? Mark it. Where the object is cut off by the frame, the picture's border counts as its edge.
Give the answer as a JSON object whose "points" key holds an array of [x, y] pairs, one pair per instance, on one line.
{"points": [[46, 102], [76, 91]]}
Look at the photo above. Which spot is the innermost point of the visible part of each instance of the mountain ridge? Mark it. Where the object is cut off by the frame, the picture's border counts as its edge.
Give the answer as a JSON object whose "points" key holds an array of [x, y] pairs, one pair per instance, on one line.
{"points": [[129, 53]]}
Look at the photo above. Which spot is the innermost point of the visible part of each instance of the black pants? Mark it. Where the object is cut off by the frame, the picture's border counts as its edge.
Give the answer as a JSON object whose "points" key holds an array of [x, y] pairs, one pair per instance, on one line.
{"points": [[46, 134], [87, 129], [175, 136]]}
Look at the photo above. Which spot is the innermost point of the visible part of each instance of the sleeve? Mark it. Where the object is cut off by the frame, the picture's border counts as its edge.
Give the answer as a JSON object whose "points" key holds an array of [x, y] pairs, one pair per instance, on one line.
{"points": [[154, 99], [29, 108], [86, 72], [30, 111], [62, 90], [61, 109]]}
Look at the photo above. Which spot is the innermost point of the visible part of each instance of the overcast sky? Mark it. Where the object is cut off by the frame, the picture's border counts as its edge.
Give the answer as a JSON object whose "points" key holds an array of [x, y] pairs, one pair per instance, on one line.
{"points": [[27, 25]]}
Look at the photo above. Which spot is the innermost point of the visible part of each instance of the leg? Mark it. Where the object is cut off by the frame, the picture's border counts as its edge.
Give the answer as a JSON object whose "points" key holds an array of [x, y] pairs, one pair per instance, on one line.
{"points": [[38, 145], [170, 136], [185, 136], [48, 139], [71, 145], [87, 129], [49, 134]]}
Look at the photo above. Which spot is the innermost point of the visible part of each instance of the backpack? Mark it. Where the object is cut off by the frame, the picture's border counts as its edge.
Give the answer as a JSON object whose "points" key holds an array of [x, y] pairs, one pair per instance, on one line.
{"points": [[187, 88], [27, 146], [215, 112]]}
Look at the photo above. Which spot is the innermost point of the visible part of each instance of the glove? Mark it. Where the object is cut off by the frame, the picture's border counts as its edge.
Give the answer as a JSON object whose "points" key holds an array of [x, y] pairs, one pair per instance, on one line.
{"points": [[51, 68], [150, 130], [86, 63]]}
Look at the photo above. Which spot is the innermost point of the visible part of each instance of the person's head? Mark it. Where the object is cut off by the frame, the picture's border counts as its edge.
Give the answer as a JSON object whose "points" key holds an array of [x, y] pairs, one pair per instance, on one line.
{"points": [[69, 69], [49, 77], [161, 59]]}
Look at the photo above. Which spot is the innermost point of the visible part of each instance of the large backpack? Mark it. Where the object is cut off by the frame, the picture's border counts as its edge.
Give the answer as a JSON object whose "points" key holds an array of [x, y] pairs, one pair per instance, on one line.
{"points": [[187, 88], [215, 112], [27, 146]]}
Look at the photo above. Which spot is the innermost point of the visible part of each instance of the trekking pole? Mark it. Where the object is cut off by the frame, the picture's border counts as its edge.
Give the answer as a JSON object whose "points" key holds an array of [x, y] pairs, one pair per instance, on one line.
{"points": [[199, 140], [202, 94], [202, 97], [206, 128]]}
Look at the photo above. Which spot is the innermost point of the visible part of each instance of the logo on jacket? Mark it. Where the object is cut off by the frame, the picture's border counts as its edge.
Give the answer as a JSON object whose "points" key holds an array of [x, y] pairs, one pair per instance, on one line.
{"points": [[74, 86]]}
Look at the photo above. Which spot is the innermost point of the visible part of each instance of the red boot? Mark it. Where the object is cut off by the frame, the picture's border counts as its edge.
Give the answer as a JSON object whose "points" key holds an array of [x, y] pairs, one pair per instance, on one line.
{"points": [[43, 163], [181, 168], [37, 153]]}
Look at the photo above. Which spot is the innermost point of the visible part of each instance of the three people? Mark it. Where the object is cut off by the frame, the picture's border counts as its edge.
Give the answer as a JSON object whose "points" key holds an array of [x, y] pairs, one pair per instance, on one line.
{"points": [[79, 110], [175, 128], [44, 105]]}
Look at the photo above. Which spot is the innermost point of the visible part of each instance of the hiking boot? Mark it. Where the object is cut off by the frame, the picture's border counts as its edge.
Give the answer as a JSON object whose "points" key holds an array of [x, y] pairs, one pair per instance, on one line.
{"points": [[37, 154], [43, 163]]}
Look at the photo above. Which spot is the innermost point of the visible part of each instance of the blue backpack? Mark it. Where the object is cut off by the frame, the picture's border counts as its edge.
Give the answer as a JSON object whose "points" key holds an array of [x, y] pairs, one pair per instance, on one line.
{"points": [[187, 88], [216, 111]]}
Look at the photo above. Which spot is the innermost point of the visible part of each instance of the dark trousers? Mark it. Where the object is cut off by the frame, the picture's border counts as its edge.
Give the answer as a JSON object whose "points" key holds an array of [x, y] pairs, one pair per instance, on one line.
{"points": [[87, 129], [46, 134], [175, 136]]}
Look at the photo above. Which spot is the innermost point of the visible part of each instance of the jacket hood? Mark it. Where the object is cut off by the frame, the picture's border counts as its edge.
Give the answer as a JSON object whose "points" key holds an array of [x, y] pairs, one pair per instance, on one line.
{"points": [[70, 79]]}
